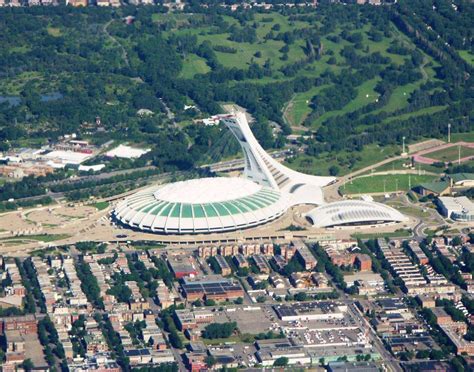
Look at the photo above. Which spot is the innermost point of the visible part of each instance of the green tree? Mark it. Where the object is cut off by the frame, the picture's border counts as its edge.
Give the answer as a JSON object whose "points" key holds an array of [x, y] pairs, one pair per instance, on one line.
{"points": [[27, 365], [210, 361], [281, 362], [219, 330]]}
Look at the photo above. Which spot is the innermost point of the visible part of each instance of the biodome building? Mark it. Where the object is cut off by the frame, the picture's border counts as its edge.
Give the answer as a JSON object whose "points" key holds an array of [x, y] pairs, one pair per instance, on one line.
{"points": [[209, 205], [351, 213]]}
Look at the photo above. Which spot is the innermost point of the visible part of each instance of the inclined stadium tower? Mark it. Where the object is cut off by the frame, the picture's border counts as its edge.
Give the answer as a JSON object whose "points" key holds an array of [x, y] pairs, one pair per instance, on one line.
{"points": [[209, 205]]}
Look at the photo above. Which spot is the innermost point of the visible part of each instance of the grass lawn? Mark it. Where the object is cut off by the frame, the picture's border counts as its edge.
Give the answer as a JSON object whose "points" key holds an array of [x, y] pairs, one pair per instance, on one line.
{"points": [[285, 25], [320, 165], [101, 205], [365, 95], [46, 238], [466, 137], [399, 97], [246, 51], [193, 65], [269, 49], [54, 31], [393, 182], [412, 211], [298, 108], [451, 154], [149, 246], [424, 111], [467, 56], [398, 165], [396, 234]]}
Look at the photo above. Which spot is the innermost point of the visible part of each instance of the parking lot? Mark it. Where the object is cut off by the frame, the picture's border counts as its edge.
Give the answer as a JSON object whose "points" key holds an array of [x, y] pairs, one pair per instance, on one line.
{"points": [[252, 319]]}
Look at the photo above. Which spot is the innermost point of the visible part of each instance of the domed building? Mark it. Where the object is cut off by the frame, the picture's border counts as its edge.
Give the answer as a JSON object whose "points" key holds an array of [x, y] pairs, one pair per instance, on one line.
{"points": [[203, 205], [354, 213], [208, 205]]}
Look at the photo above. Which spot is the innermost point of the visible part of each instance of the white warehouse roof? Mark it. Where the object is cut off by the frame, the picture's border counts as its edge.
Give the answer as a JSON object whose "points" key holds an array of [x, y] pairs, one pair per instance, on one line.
{"points": [[457, 204], [127, 152], [353, 212]]}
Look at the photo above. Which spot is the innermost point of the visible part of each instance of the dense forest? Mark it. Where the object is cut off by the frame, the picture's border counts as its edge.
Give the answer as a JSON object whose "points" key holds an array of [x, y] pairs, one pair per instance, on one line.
{"points": [[353, 76]]}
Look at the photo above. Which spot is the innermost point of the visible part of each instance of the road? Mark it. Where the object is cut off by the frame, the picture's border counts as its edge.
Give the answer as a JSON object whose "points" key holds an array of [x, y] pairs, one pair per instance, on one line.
{"points": [[116, 42], [391, 362], [99, 176], [433, 221]]}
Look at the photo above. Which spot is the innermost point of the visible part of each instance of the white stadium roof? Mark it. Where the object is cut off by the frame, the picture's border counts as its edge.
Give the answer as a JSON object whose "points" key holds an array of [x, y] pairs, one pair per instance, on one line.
{"points": [[207, 190], [353, 212], [202, 206]]}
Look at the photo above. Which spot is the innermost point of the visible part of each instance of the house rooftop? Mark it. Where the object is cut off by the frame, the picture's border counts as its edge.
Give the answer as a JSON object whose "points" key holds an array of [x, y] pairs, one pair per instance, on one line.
{"points": [[437, 187]]}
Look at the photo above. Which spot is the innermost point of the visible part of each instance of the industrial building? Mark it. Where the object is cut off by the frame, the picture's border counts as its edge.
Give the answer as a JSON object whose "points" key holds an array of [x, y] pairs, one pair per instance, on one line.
{"points": [[322, 310], [181, 266], [457, 208], [211, 288], [271, 350]]}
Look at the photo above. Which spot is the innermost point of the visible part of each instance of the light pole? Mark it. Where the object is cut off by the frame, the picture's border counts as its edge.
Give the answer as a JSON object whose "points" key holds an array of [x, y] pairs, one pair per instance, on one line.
{"points": [[403, 139], [449, 132]]}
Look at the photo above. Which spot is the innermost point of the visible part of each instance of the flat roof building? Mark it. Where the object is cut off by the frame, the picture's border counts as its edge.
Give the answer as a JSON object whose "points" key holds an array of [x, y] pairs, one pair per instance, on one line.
{"points": [[219, 289], [306, 257], [322, 310], [271, 350], [457, 208], [261, 263], [181, 266], [240, 261], [223, 265]]}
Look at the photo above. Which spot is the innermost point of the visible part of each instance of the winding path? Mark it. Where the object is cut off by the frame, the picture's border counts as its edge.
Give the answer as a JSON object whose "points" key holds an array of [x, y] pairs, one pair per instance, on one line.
{"points": [[116, 42]]}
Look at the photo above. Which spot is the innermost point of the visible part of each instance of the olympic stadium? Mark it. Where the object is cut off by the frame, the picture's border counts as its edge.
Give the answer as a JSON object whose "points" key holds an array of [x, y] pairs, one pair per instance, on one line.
{"points": [[203, 205], [265, 192]]}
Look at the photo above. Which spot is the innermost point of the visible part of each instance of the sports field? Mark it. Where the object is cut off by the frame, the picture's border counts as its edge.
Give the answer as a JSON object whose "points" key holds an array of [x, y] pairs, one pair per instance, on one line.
{"points": [[451, 154], [384, 183]]}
